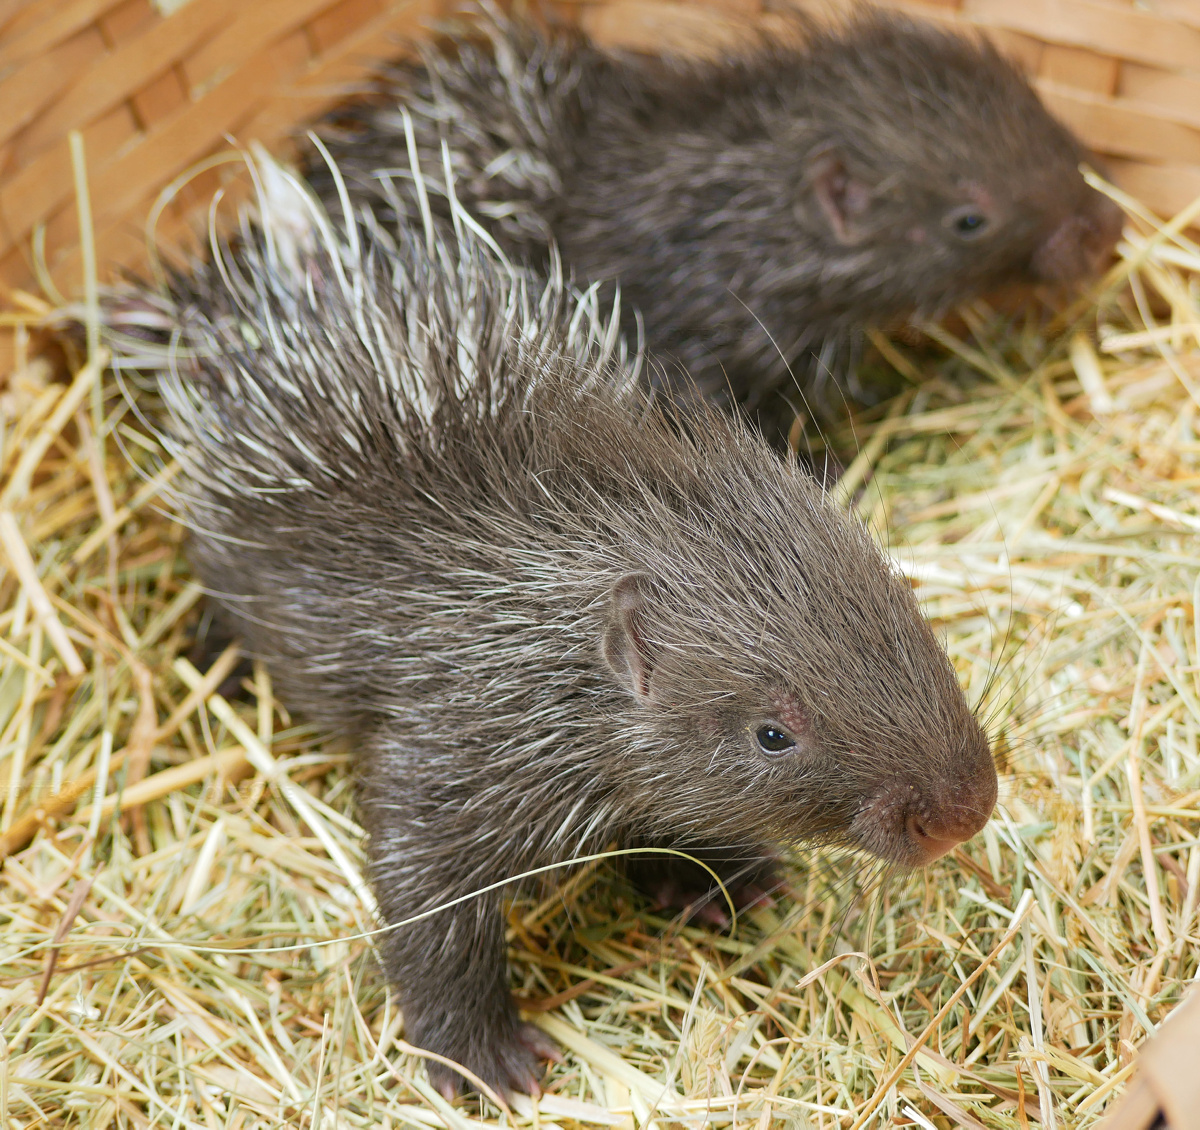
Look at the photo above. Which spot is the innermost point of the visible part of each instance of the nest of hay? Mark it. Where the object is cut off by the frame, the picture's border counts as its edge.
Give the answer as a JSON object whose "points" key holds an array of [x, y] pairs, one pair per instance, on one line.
{"points": [[182, 942]]}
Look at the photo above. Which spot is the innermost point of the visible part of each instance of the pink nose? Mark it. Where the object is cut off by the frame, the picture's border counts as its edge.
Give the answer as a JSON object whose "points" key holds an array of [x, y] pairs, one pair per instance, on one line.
{"points": [[1081, 245], [915, 822]]}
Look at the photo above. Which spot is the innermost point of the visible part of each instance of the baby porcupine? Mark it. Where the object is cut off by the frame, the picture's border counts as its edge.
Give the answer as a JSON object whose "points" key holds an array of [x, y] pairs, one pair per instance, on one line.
{"points": [[546, 614], [757, 209]]}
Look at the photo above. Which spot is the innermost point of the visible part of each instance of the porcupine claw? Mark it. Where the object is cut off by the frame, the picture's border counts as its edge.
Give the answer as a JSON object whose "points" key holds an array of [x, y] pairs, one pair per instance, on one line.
{"points": [[514, 1067], [709, 905], [686, 885], [541, 1045]]}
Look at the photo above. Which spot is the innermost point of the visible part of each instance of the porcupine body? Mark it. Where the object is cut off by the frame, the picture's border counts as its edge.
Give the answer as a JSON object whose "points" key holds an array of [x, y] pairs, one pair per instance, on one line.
{"points": [[547, 613], [758, 209]]}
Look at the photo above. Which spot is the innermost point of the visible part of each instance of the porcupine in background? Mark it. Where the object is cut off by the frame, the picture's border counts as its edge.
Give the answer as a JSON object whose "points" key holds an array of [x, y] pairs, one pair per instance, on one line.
{"points": [[758, 209], [546, 611]]}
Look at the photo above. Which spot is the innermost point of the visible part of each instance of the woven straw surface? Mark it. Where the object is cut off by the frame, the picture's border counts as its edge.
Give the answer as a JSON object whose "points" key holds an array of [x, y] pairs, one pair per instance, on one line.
{"points": [[154, 94], [156, 89]]}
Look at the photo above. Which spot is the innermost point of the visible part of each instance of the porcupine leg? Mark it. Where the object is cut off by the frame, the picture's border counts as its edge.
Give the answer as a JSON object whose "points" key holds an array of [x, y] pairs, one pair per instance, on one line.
{"points": [[453, 983], [449, 967], [749, 873]]}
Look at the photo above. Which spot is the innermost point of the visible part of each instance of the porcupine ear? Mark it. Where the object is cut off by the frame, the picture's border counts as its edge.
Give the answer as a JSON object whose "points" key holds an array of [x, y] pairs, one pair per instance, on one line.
{"points": [[625, 646], [843, 197]]}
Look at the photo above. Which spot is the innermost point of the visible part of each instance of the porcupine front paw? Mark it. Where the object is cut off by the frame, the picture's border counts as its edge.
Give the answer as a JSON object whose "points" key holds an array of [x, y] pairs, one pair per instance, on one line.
{"points": [[506, 1060], [683, 885]]}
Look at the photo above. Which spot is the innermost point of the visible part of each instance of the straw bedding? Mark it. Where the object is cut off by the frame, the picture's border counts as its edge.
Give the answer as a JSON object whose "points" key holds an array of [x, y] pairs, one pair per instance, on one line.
{"points": [[181, 944]]}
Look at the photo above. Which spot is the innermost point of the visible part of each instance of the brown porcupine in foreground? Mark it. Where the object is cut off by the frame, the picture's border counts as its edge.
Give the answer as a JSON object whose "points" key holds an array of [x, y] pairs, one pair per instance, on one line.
{"points": [[759, 209], [547, 614]]}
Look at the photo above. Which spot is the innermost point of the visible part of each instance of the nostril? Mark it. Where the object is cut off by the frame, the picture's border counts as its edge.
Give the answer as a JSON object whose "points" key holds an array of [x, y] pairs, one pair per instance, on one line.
{"points": [[933, 838], [1102, 229], [1097, 236]]}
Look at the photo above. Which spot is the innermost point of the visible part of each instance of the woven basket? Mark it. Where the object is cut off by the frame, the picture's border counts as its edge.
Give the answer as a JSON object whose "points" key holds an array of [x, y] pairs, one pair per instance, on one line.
{"points": [[155, 90]]}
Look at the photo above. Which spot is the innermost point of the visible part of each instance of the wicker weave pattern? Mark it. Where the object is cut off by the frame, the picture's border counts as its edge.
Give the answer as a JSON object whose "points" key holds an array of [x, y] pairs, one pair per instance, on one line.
{"points": [[154, 94]]}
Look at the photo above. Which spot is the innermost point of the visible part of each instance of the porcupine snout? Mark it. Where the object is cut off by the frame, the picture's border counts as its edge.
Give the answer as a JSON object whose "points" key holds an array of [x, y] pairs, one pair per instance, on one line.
{"points": [[1081, 244], [913, 822]]}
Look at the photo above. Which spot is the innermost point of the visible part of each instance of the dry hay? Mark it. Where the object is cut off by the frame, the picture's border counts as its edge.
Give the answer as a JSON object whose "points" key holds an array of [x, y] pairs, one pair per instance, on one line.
{"points": [[181, 945]]}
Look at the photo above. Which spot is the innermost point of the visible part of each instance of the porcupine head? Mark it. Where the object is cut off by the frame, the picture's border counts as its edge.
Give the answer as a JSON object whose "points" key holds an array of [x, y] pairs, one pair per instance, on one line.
{"points": [[549, 614]]}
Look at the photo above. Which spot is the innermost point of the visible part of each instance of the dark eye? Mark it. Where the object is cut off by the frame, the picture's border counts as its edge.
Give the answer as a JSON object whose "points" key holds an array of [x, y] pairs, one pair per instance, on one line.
{"points": [[771, 739], [967, 222]]}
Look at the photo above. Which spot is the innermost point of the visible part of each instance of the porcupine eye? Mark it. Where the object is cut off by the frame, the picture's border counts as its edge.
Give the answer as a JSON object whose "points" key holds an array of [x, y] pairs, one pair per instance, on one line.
{"points": [[967, 222], [771, 739]]}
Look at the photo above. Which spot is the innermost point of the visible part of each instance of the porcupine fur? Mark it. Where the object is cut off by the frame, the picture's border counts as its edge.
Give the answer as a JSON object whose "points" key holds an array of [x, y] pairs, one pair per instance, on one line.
{"points": [[759, 209], [547, 611]]}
